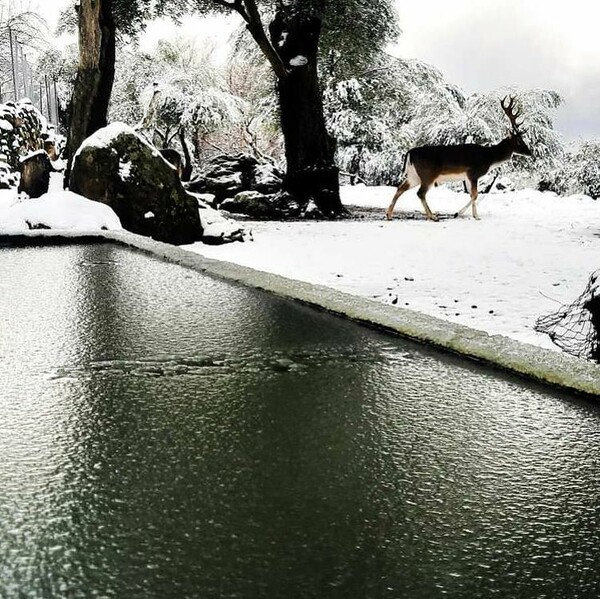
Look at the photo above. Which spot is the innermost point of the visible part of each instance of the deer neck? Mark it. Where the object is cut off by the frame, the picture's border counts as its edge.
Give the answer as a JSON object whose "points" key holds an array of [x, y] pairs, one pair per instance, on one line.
{"points": [[501, 152]]}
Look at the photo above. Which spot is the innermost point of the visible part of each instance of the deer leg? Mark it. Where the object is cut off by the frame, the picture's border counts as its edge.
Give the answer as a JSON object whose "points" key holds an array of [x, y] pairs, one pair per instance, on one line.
{"points": [[474, 193], [404, 186], [422, 193]]}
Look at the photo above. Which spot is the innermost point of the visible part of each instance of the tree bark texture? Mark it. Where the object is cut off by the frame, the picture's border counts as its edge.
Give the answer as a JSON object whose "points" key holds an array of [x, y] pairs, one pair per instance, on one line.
{"points": [[187, 164], [95, 74], [309, 150]]}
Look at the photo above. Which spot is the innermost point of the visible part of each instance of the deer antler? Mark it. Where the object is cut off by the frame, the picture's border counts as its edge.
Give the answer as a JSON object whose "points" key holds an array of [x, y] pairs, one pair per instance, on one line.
{"points": [[511, 113]]}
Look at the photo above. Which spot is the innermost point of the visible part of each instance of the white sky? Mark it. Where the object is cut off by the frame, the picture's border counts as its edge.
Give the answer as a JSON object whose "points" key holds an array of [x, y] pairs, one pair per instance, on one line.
{"points": [[486, 44]]}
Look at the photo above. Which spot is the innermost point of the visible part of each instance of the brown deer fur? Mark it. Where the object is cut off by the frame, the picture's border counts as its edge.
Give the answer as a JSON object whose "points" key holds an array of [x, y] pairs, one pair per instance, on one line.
{"points": [[428, 165]]}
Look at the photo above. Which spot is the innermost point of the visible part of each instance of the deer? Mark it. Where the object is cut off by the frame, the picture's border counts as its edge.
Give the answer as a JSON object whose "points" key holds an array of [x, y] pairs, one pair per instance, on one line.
{"points": [[429, 165]]}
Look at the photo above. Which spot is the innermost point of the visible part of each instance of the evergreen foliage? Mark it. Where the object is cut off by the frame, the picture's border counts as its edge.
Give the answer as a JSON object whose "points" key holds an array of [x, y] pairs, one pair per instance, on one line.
{"points": [[379, 116], [577, 172]]}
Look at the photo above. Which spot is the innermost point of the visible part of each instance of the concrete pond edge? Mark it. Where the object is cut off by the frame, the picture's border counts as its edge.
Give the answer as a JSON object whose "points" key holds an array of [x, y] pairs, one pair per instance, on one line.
{"points": [[530, 361]]}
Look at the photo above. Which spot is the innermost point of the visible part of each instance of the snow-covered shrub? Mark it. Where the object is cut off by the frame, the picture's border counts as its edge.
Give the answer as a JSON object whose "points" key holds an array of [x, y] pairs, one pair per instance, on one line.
{"points": [[588, 174], [368, 118], [377, 117], [578, 172], [212, 109]]}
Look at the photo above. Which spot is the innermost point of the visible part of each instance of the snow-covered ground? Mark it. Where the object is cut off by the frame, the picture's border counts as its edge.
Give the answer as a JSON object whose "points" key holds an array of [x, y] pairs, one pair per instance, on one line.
{"points": [[62, 210], [529, 253]]}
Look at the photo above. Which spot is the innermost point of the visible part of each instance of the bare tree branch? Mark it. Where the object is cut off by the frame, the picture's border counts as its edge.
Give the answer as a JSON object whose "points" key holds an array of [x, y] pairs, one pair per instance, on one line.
{"points": [[253, 143], [257, 31], [251, 15]]}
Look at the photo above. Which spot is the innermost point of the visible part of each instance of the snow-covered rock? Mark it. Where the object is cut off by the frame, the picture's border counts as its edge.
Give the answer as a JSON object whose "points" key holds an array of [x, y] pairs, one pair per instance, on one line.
{"points": [[225, 176], [35, 169], [120, 168], [62, 210], [217, 228], [253, 204]]}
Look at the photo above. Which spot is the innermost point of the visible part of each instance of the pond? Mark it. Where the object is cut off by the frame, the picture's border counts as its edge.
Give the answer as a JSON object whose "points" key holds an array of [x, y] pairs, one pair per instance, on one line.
{"points": [[166, 434]]}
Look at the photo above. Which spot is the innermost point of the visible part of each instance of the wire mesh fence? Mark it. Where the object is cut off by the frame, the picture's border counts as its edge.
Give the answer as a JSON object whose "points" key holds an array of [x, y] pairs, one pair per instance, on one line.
{"points": [[575, 328]]}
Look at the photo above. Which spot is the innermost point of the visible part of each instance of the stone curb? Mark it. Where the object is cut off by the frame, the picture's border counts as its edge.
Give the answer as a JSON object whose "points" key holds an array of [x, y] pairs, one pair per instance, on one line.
{"points": [[531, 361]]}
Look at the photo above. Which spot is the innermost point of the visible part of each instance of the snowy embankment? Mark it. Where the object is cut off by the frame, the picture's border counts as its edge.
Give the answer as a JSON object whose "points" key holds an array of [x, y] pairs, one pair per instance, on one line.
{"points": [[529, 253]]}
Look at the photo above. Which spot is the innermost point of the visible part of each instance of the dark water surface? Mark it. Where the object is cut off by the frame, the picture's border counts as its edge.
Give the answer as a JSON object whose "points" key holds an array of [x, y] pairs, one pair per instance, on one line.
{"points": [[166, 435]]}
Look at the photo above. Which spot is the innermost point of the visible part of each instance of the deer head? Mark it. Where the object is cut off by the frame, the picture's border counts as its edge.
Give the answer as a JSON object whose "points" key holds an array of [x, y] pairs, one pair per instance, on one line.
{"points": [[516, 135]]}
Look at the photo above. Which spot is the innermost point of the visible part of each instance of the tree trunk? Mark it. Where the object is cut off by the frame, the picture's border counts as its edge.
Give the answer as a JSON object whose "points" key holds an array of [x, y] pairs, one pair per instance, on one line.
{"points": [[309, 150], [187, 165], [95, 74]]}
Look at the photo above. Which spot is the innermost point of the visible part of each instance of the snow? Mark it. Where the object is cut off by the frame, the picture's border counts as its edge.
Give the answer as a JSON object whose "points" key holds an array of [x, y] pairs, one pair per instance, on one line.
{"points": [[282, 39], [214, 224], [31, 154], [62, 210], [103, 137], [124, 170], [529, 253], [265, 176], [299, 61], [59, 164]]}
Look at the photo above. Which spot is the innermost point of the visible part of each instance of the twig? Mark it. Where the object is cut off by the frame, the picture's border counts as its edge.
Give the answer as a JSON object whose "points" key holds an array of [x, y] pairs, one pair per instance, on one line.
{"points": [[550, 298], [353, 175], [216, 147], [253, 143]]}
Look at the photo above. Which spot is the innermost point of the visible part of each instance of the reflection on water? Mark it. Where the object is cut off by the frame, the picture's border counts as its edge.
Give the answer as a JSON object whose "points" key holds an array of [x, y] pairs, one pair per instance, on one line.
{"points": [[167, 435]]}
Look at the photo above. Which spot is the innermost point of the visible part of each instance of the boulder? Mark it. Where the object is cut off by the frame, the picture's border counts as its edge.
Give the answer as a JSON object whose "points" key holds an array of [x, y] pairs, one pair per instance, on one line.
{"points": [[173, 157], [253, 204], [118, 167], [35, 172], [217, 228], [266, 178], [221, 186], [225, 176]]}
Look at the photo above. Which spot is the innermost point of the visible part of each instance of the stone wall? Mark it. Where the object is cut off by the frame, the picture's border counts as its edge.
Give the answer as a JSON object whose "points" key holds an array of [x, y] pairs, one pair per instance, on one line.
{"points": [[22, 131]]}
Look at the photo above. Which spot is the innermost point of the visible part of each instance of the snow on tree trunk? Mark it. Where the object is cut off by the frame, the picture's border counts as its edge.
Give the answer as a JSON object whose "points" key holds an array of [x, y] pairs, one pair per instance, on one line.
{"points": [[96, 72], [309, 150]]}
